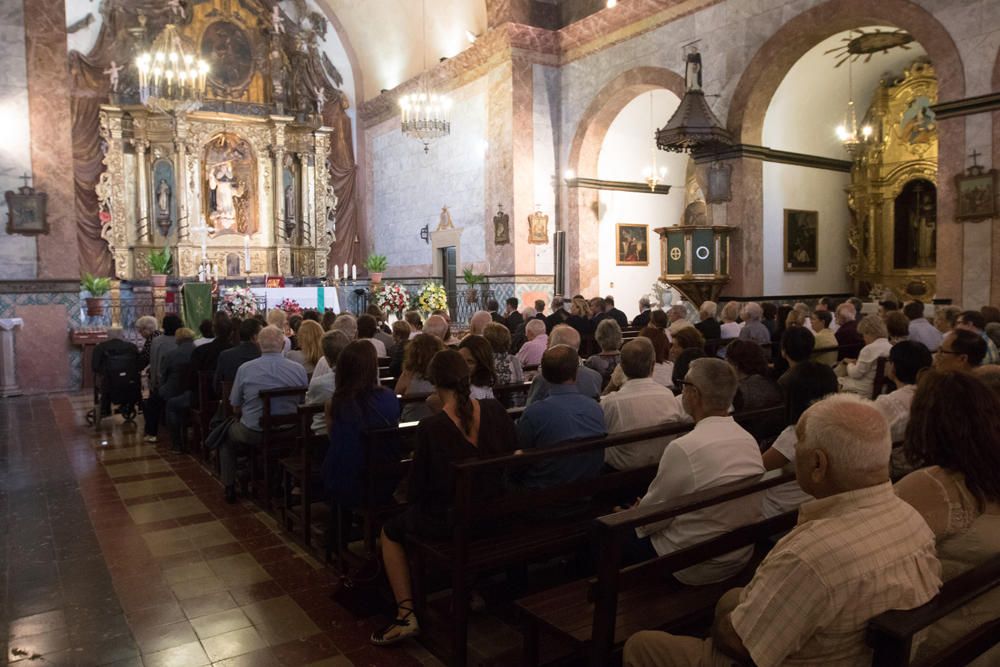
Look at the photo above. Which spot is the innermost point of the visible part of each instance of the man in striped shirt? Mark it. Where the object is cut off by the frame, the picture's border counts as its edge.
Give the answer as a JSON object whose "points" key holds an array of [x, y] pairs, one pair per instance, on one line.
{"points": [[856, 552]]}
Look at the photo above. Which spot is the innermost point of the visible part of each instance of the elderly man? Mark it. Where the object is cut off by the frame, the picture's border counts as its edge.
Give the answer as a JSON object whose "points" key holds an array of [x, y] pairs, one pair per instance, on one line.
{"points": [[640, 403], [614, 313], [642, 319], [716, 452], [960, 350], [677, 319], [531, 352], [973, 320], [270, 371], [753, 329], [564, 415], [437, 326], [708, 325], [856, 552], [478, 322], [588, 381], [920, 329], [847, 334]]}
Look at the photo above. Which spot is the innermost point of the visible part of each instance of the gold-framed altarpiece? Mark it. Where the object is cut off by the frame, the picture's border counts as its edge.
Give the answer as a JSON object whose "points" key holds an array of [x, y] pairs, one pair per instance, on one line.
{"points": [[893, 190]]}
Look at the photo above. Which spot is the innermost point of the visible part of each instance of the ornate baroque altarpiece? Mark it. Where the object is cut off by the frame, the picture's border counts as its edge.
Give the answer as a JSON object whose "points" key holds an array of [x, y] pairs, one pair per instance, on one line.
{"points": [[893, 191], [247, 174]]}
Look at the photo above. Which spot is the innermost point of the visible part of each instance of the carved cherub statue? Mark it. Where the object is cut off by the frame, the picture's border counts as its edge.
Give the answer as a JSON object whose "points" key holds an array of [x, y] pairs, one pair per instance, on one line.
{"points": [[112, 72]]}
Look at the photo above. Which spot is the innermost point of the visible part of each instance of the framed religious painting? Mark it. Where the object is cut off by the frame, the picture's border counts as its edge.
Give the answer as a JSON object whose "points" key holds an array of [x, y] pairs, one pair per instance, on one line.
{"points": [[632, 245], [538, 228], [801, 245], [26, 211], [977, 194]]}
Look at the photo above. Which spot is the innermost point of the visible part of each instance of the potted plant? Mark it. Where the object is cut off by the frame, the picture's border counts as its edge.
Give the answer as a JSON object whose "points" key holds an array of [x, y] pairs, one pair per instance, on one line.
{"points": [[471, 280], [159, 266], [97, 288], [376, 267]]}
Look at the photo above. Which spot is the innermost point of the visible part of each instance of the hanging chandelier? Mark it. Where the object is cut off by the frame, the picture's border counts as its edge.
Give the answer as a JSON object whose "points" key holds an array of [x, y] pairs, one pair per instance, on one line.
{"points": [[653, 174], [848, 133], [171, 79], [425, 113]]}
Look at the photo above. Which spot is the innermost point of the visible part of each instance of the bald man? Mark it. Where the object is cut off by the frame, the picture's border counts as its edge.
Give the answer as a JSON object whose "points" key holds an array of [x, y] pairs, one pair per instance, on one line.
{"points": [[856, 552]]}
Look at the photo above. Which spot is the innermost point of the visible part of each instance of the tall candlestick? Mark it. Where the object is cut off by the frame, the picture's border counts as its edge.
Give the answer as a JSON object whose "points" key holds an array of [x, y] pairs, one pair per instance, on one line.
{"points": [[345, 270], [246, 253], [336, 272], [354, 271]]}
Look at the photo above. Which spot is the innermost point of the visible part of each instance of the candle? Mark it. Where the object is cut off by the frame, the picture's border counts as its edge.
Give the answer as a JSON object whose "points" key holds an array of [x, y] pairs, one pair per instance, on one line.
{"points": [[336, 272], [345, 270], [354, 271], [246, 253]]}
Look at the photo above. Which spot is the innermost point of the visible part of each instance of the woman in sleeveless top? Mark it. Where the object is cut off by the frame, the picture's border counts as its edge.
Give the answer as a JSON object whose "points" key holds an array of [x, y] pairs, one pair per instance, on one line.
{"points": [[466, 428], [954, 431]]}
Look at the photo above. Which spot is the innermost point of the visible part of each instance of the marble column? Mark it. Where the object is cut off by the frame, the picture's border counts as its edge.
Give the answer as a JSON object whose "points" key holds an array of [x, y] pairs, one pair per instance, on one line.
{"points": [[51, 140], [142, 195], [8, 378], [183, 176]]}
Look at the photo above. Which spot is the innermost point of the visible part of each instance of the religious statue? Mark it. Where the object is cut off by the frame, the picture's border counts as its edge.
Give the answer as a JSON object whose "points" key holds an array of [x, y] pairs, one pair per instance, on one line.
{"points": [[163, 194], [112, 72], [277, 24], [177, 8], [444, 222], [289, 209], [277, 64], [320, 98], [692, 70], [225, 191]]}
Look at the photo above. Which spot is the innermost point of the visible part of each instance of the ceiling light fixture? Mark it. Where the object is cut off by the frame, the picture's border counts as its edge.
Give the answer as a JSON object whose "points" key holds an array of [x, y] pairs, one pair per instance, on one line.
{"points": [[425, 113], [848, 132], [653, 174], [171, 79]]}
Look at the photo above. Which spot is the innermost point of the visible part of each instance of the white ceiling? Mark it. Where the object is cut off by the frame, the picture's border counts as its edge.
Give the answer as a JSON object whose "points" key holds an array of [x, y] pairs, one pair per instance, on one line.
{"points": [[386, 35]]}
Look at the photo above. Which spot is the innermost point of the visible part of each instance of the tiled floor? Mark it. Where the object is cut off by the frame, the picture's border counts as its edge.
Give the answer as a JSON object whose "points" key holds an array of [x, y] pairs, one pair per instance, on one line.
{"points": [[119, 553]]}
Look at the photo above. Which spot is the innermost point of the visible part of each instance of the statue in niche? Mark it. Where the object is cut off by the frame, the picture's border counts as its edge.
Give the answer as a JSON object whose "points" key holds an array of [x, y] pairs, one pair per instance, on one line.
{"points": [[692, 69], [289, 209], [113, 71], [225, 191], [163, 195], [915, 226], [444, 222]]}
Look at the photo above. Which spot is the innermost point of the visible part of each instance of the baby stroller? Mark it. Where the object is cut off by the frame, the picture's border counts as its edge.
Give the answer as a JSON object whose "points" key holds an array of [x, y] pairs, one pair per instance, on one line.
{"points": [[116, 382]]}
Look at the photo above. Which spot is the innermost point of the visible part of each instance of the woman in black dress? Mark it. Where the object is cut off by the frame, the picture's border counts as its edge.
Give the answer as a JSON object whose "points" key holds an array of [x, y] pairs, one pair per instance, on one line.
{"points": [[466, 428]]}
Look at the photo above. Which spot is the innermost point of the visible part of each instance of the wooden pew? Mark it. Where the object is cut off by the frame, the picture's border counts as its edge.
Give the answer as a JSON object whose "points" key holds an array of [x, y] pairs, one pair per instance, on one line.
{"points": [[891, 634], [467, 554], [278, 436], [204, 407], [599, 614]]}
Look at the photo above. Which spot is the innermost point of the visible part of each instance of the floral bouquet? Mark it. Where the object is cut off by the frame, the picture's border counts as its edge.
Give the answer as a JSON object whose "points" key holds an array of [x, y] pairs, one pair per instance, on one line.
{"points": [[239, 302], [391, 298], [290, 306], [432, 297]]}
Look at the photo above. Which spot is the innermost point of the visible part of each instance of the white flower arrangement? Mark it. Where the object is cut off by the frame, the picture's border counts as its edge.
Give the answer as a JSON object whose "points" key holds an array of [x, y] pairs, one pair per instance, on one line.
{"points": [[391, 298], [239, 302]]}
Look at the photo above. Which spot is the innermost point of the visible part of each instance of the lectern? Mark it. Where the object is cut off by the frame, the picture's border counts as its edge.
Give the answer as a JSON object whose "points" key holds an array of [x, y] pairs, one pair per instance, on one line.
{"points": [[695, 260]]}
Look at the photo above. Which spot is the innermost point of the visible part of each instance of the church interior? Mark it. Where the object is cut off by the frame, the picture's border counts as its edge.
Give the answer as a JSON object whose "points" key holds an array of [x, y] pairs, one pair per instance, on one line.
{"points": [[500, 332]]}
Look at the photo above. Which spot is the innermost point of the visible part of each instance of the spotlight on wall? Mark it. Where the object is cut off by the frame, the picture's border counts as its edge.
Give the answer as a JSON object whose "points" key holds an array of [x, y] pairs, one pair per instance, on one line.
{"points": [[612, 4], [569, 175], [442, 59]]}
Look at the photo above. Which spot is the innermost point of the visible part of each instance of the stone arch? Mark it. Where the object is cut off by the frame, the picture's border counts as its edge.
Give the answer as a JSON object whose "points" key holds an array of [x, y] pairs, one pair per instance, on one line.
{"points": [[771, 63], [768, 67], [579, 206]]}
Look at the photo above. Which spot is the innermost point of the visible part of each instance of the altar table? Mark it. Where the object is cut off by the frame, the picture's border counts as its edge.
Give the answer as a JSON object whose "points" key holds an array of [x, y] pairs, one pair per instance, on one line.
{"points": [[307, 297]]}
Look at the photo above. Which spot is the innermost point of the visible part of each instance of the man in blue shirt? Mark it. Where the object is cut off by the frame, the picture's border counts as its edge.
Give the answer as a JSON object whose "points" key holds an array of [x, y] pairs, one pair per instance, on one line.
{"points": [[270, 371], [565, 415], [588, 381]]}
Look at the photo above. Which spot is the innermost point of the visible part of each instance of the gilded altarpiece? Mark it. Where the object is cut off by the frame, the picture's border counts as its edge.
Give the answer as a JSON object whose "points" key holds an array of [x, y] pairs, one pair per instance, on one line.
{"points": [[219, 182], [893, 191]]}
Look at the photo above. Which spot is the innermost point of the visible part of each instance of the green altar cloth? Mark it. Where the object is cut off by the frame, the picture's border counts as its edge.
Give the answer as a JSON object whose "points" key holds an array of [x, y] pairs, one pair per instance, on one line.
{"points": [[196, 303]]}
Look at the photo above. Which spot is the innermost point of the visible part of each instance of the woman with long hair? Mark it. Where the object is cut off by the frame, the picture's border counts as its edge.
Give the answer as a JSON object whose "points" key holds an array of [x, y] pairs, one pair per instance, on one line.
{"points": [[466, 428], [579, 316], [413, 380], [507, 366], [954, 431], [358, 404], [310, 345], [478, 355]]}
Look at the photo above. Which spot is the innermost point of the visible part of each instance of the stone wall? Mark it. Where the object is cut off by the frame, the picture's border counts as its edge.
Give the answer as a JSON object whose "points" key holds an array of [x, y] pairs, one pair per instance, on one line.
{"points": [[18, 254]]}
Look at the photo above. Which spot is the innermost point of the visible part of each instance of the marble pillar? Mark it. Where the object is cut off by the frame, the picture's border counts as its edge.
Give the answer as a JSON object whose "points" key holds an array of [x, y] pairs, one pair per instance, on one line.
{"points": [[51, 141], [8, 375]]}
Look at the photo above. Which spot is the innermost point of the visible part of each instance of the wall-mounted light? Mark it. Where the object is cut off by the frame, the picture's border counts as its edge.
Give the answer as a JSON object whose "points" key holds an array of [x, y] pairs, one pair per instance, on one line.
{"points": [[612, 4]]}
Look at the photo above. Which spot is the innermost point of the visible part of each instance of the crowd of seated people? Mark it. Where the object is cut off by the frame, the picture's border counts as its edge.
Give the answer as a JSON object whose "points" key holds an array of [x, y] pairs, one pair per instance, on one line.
{"points": [[832, 572]]}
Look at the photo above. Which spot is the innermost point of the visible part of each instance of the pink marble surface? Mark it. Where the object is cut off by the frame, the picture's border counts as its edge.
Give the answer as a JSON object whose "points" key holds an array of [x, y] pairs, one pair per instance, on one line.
{"points": [[500, 168], [51, 139], [42, 349], [950, 241]]}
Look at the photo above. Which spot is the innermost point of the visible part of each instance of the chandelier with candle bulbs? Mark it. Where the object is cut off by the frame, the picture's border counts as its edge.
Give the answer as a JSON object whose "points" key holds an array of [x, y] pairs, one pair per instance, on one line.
{"points": [[848, 132], [171, 78], [425, 114], [653, 174]]}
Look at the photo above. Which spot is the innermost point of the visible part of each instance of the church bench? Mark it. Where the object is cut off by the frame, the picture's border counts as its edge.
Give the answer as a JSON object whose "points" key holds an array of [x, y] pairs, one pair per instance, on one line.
{"points": [[890, 635], [278, 435], [204, 406], [598, 614], [527, 537]]}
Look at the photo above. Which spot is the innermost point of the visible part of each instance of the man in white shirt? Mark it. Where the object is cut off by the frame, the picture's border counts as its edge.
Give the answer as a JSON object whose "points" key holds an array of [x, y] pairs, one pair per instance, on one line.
{"points": [[921, 330], [716, 452], [640, 403]]}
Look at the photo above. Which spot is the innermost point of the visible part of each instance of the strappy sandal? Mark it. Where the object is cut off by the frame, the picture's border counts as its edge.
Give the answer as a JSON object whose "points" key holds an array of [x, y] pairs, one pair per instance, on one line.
{"points": [[399, 629]]}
